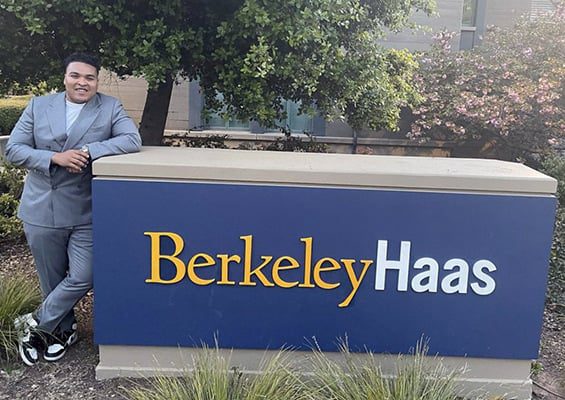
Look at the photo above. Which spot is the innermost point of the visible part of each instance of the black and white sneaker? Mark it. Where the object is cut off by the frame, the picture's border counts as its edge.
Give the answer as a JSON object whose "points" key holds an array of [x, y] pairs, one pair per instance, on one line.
{"points": [[30, 341], [24, 323], [59, 342], [30, 345]]}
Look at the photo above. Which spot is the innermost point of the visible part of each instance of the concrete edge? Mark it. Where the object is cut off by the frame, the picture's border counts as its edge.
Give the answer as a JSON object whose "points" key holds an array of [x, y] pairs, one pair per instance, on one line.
{"points": [[327, 169]]}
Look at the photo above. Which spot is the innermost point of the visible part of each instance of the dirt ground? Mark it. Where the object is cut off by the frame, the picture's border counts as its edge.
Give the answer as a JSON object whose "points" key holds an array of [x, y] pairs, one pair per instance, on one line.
{"points": [[73, 377]]}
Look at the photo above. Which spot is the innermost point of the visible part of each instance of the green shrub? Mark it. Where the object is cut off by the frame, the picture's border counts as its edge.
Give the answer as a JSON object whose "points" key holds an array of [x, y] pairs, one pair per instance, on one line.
{"points": [[10, 110], [555, 167], [290, 143], [204, 142], [11, 228], [12, 180], [11, 186], [297, 144], [504, 98], [556, 279], [8, 204], [18, 295]]}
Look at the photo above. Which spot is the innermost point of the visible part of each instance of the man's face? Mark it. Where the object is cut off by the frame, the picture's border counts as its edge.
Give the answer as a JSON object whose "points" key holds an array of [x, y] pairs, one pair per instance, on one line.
{"points": [[81, 82]]}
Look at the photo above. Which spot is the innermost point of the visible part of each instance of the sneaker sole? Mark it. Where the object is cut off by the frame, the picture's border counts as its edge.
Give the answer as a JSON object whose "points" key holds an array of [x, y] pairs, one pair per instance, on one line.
{"points": [[24, 357]]}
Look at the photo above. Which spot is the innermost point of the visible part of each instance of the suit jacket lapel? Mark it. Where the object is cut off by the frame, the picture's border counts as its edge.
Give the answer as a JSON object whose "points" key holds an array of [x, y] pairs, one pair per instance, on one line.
{"points": [[85, 119], [57, 119]]}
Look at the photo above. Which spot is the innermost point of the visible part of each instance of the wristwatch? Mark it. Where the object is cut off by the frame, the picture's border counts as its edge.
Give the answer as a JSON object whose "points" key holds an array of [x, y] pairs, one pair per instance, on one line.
{"points": [[84, 149]]}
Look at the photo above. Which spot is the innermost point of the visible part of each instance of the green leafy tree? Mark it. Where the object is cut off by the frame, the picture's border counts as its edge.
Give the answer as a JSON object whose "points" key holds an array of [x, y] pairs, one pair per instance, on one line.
{"points": [[322, 53], [139, 38], [25, 59], [504, 97]]}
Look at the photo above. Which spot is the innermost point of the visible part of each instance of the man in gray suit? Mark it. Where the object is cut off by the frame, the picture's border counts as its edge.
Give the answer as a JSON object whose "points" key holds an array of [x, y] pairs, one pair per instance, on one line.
{"points": [[56, 138]]}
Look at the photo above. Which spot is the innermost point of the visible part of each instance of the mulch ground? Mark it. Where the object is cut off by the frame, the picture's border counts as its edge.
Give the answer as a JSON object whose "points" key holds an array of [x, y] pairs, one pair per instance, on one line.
{"points": [[73, 376]]}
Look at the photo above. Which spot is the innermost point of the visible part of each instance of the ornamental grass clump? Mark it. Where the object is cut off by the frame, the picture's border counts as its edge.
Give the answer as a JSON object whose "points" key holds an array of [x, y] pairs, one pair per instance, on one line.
{"points": [[212, 378], [417, 378], [18, 295]]}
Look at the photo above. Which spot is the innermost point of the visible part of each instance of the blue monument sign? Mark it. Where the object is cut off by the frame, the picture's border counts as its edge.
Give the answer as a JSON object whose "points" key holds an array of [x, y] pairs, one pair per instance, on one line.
{"points": [[265, 262]]}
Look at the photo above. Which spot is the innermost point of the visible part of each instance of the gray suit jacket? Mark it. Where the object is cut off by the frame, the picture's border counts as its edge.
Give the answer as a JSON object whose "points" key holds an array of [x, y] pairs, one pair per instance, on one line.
{"points": [[53, 197]]}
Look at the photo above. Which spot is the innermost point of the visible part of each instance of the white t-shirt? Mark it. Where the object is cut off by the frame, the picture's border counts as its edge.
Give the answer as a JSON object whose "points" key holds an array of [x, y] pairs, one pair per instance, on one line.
{"points": [[72, 111]]}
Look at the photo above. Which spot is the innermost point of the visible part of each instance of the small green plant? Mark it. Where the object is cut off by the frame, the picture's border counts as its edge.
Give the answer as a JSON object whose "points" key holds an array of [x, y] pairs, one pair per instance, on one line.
{"points": [[18, 295], [536, 368]]}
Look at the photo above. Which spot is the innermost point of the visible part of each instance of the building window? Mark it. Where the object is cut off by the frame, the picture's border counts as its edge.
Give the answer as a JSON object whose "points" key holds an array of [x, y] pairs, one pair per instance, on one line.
{"points": [[200, 118], [297, 123], [469, 13], [214, 120], [472, 23]]}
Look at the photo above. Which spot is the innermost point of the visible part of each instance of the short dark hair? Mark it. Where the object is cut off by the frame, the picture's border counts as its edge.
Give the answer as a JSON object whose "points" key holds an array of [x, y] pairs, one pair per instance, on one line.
{"points": [[86, 58]]}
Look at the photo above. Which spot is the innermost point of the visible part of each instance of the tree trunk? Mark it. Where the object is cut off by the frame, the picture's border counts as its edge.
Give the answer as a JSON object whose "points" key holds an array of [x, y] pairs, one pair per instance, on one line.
{"points": [[155, 112]]}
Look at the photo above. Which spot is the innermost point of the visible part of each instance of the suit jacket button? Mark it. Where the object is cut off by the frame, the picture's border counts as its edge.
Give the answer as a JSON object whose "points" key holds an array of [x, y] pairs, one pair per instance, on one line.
{"points": [[54, 187]]}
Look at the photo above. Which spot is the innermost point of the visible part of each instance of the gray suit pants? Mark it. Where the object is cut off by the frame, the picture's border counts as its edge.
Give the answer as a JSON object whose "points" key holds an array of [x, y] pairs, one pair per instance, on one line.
{"points": [[63, 258]]}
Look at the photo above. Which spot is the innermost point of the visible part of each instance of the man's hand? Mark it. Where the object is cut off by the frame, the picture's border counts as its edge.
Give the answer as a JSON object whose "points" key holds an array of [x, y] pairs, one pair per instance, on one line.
{"points": [[73, 160]]}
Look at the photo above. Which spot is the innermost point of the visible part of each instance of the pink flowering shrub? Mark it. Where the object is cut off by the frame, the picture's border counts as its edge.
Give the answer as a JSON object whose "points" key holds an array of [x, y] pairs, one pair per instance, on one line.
{"points": [[504, 98]]}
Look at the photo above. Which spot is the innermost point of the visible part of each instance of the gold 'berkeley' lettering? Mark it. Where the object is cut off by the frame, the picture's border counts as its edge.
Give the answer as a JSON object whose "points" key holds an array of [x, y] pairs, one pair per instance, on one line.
{"points": [[156, 256], [307, 262], [355, 283], [225, 259], [247, 271], [278, 266], [316, 272], [319, 268], [193, 264]]}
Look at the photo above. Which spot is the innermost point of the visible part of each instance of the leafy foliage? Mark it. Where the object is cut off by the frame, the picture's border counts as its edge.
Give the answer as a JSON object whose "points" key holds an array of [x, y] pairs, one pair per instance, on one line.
{"points": [[205, 142], [555, 166], [26, 60], [295, 144], [506, 95], [556, 280], [18, 295], [10, 111], [323, 53], [288, 142], [11, 186]]}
